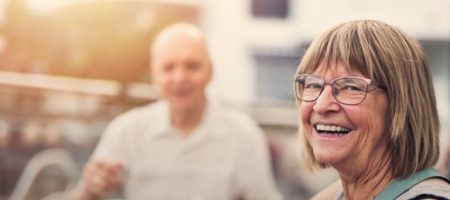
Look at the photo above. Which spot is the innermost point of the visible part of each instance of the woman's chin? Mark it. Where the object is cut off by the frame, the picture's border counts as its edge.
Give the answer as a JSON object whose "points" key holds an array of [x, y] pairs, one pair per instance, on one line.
{"points": [[327, 159]]}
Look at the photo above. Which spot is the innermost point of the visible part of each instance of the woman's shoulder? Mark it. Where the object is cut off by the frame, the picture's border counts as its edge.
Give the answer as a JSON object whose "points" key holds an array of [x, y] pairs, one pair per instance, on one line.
{"points": [[433, 188]]}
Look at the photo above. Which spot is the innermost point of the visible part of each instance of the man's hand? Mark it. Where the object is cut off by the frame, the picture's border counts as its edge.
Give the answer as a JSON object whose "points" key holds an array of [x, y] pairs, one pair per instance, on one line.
{"points": [[99, 178]]}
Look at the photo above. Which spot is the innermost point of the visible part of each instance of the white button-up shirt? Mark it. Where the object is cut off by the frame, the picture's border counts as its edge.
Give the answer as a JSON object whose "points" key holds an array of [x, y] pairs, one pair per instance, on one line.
{"points": [[225, 157]]}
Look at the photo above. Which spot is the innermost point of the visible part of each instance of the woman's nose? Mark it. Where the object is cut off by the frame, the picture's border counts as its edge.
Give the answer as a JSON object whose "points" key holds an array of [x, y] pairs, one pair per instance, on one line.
{"points": [[326, 102]]}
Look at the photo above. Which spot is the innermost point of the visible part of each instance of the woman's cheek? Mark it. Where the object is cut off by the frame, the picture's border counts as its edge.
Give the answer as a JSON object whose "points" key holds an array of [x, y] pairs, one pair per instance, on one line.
{"points": [[305, 110]]}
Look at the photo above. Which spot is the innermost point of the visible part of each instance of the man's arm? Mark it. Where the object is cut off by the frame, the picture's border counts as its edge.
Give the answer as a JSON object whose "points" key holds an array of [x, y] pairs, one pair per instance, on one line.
{"points": [[254, 172], [98, 179], [102, 174]]}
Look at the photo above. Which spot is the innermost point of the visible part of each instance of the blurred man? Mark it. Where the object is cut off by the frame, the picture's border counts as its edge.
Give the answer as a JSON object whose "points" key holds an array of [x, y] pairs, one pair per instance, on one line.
{"points": [[183, 146]]}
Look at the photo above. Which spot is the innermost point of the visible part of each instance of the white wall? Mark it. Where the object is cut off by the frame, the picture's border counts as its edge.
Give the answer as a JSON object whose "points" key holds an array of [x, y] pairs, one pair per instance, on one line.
{"points": [[222, 21], [421, 19], [233, 31]]}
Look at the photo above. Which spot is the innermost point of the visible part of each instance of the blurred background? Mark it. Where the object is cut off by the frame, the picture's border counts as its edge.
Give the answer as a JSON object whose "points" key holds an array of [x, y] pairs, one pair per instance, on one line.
{"points": [[67, 67]]}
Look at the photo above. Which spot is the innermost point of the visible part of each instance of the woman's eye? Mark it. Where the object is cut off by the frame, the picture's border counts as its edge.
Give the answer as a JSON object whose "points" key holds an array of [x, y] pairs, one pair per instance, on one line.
{"points": [[352, 88], [313, 85]]}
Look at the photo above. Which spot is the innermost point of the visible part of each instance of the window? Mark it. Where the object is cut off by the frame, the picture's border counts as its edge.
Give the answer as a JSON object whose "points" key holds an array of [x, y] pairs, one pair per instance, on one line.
{"points": [[270, 8]]}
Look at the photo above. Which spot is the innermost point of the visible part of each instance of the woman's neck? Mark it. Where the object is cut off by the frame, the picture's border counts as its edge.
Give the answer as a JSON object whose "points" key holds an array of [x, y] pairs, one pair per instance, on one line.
{"points": [[365, 189], [369, 182]]}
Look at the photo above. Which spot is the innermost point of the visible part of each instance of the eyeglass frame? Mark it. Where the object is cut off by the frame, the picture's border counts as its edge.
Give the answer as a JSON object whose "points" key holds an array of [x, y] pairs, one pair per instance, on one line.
{"points": [[375, 85]]}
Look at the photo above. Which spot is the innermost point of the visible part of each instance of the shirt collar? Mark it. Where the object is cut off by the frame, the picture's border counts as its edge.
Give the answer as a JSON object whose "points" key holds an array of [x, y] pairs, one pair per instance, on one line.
{"points": [[160, 126], [163, 127]]}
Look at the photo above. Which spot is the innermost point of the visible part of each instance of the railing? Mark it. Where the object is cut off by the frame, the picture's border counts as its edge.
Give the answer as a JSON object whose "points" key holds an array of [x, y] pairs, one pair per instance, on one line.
{"points": [[49, 157]]}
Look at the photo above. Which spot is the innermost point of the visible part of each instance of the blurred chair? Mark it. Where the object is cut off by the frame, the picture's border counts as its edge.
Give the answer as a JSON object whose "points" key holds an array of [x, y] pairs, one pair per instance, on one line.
{"points": [[50, 157]]}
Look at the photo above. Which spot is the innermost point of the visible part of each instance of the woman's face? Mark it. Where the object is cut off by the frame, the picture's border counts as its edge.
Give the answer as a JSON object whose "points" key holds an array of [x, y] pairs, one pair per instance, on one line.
{"points": [[326, 123]]}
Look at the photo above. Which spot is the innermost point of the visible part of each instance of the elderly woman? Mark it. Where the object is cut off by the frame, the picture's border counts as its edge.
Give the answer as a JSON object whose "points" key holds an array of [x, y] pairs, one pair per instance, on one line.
{"points": [[367, 108]]}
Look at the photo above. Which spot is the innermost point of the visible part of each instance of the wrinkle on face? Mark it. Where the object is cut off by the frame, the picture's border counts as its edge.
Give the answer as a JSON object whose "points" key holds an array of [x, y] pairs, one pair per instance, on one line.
{"points": [[366, 119]]}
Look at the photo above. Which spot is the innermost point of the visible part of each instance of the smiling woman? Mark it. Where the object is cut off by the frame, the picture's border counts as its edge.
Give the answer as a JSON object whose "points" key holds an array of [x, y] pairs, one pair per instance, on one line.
{"points": [[377, 123]]}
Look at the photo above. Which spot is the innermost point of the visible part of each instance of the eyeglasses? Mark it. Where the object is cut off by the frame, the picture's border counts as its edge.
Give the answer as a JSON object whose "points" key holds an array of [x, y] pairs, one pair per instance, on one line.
{"points": [[346, 90]]}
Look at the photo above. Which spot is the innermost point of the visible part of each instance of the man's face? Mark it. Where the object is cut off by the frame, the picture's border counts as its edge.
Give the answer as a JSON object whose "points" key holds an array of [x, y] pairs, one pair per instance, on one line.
{"points": [[181, 69]]}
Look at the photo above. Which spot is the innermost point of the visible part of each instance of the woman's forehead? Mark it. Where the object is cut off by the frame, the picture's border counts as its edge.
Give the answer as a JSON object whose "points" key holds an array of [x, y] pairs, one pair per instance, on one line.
{"points": [[335, 70], [325, 65]]}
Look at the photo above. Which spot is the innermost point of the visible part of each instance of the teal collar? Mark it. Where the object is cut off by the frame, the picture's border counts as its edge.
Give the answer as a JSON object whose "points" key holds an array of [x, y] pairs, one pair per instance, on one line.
{"points": [[400, 186]]}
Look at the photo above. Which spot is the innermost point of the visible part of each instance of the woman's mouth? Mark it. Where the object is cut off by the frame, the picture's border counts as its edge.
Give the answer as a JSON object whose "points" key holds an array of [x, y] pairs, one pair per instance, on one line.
{"points": [[331, 129]]}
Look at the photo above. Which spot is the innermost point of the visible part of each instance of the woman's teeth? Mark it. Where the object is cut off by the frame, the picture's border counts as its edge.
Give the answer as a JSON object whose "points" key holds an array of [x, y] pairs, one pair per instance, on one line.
{"points": [[331, 129]]}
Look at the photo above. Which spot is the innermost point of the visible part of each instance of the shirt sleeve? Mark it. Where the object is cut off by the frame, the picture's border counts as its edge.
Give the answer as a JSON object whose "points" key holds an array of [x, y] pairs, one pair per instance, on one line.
{"points": [[112, 144], [254, 174]]}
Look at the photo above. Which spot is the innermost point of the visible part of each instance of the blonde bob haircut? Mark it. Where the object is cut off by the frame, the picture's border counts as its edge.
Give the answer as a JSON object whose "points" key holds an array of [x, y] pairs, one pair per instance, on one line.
{"points": [[384, 53]]}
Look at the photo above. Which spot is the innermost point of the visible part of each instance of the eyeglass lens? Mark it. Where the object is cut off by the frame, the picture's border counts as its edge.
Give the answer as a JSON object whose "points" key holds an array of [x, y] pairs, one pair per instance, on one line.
{"points": [[349, 90]]}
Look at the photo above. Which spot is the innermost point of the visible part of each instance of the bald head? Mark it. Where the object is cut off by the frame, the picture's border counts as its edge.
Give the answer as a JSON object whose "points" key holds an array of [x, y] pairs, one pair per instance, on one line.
{"points": [[181, 67], [176, 33]]}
